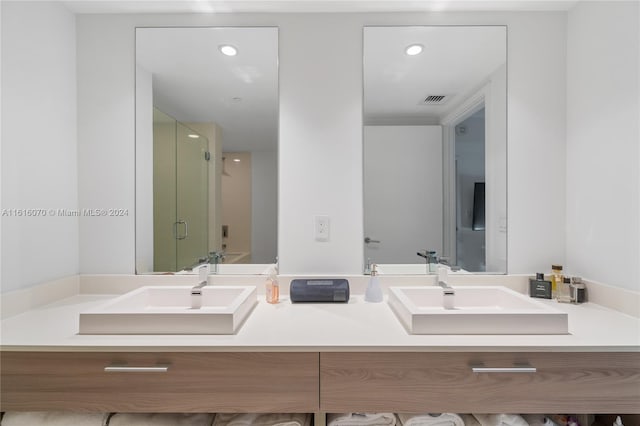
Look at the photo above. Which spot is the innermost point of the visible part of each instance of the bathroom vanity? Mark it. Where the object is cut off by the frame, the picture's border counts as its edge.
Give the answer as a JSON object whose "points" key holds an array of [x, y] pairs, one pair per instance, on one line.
{"points": [[160, 381], [319, 358], [595, 382], [514, 382]]}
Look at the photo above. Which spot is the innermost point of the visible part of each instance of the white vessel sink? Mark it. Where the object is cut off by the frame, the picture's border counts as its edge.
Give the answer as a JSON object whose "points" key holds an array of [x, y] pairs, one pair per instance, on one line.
{"points": [[167, 310], [476, 310]]}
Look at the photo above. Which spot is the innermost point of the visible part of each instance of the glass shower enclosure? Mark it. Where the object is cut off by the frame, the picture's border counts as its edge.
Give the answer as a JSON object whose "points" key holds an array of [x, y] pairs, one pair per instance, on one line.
{"points": [[180, 194]]}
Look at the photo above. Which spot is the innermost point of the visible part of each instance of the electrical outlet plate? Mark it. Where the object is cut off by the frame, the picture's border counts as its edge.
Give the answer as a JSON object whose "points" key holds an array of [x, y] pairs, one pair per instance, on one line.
{"points": [[321, 228]]}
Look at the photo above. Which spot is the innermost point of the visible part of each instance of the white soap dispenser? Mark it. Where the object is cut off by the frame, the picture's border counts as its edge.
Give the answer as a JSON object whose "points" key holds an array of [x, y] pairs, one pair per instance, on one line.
{"points": [[374, 292]]}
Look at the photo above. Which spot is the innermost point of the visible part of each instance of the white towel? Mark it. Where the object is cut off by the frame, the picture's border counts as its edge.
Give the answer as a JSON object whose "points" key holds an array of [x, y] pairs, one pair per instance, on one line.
{"points": [[160, 419], [361, 419], [500, 420], [262, 419], [426, 419], [29, 418]]}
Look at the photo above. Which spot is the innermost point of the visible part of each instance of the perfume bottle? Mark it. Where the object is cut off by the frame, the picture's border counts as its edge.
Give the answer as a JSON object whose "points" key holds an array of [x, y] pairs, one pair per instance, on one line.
{"points": [[556, 280], [539, 287], [564, 292], [273, 288], [578, 290]]}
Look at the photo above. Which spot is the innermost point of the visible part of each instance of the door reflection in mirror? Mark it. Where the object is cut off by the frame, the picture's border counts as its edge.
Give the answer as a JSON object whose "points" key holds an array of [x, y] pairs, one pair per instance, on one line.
{"points": [[180, 193]]}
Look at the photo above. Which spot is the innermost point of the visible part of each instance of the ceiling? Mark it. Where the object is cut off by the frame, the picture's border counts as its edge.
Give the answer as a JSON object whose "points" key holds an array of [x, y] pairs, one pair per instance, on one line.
{"points": [[455, 62], [288, 6], [194, 82]]}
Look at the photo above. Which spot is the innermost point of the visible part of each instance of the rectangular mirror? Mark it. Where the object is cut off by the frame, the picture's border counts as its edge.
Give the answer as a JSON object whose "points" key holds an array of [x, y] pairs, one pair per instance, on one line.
{"points": [[435, 147], [206, 148]]}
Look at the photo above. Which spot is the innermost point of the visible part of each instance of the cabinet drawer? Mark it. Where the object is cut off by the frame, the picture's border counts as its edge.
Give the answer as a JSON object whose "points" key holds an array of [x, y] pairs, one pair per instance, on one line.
{"points": [[160, 382], [445, 382]]}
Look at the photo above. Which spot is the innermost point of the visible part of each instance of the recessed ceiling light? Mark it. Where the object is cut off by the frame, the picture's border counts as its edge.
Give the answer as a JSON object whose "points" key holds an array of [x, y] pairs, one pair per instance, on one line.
{"points": [[228, 50], [413, 49], [193, 136]]}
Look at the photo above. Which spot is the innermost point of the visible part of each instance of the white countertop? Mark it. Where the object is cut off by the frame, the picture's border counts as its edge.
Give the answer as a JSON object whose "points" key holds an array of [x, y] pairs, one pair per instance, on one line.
{"points": [[355, 326]]}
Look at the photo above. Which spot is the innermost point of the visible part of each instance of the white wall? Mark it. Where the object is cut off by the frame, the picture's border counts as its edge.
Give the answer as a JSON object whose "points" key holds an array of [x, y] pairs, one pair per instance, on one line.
{"points": [[536, 142], [496, 172], [106, 148], [1, 161], [320, 147], [603, 178], [320, 144], [144, 173], [39, 160]]}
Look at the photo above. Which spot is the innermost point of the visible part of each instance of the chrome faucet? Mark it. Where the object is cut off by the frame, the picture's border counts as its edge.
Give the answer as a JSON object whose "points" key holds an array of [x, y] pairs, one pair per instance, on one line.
{"points": [[215, 258], [448, 292], [196, 290], [431, 258]]}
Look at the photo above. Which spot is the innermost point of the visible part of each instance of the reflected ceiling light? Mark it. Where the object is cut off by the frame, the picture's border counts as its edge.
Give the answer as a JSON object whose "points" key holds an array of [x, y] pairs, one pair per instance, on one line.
{"points": [[193, 136], [413, 49], [228, 50], [236, 160]]}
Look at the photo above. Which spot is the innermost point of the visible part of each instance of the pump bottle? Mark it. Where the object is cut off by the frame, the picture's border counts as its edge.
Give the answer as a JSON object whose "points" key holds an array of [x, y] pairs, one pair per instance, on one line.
{"points": [[374, 292]]}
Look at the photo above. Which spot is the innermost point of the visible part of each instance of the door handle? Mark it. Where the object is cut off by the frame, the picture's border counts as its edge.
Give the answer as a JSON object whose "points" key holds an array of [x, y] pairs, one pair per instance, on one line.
{"points": [[516, 368], [114, 368], [368, 240], [175, 230]]}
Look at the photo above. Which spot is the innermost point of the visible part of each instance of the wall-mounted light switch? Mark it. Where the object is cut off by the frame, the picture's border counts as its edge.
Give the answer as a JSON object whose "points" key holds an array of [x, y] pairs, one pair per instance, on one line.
{"points": [[321, 228]]}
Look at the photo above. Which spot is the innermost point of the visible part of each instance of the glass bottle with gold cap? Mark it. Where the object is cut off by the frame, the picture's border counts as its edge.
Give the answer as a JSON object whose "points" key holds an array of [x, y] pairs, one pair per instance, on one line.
{"points": [[556, 280]]}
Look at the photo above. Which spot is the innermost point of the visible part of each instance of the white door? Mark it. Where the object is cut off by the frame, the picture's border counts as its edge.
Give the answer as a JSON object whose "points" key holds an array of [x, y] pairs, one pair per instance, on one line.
{"points": [[402, 192]]}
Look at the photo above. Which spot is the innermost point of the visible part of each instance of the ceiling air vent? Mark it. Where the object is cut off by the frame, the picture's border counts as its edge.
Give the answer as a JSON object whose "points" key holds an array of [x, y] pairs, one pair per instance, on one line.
{"points": [[435, 99]]}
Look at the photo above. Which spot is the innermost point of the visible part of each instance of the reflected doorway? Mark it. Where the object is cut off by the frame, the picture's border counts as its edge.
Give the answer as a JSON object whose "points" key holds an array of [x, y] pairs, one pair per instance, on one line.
{"points": [[470, 192]]}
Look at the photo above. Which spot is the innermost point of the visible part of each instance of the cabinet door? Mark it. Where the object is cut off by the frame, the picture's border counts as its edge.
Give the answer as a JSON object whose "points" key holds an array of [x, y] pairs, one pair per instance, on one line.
{"points": [[507, 382], [160, 382]]}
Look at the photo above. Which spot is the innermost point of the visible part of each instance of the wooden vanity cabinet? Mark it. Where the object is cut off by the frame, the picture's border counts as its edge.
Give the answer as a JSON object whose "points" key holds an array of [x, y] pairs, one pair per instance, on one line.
{"points": [[321, 382], [159, 382], [445, 382]]}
